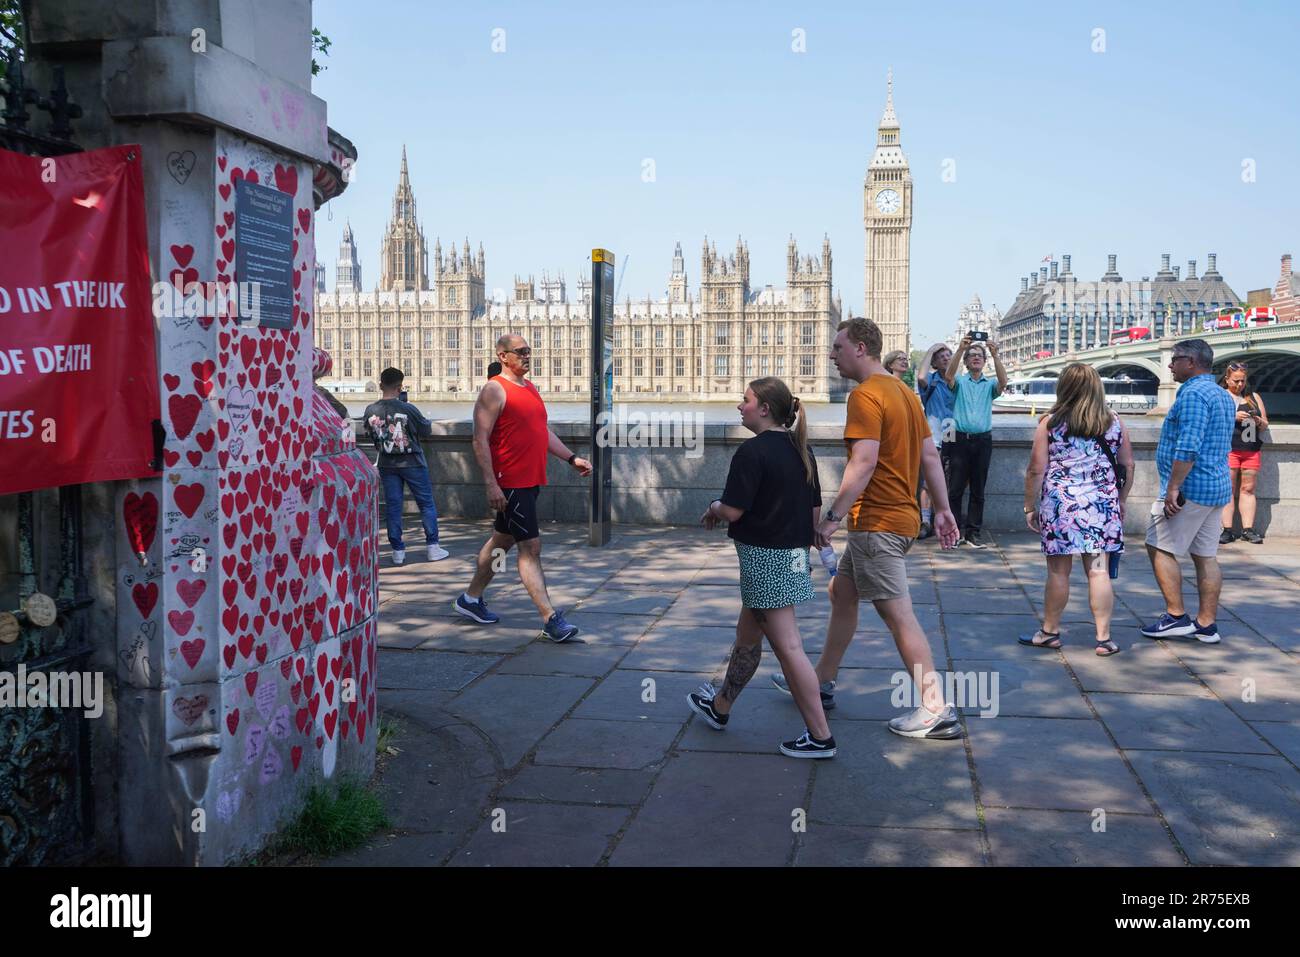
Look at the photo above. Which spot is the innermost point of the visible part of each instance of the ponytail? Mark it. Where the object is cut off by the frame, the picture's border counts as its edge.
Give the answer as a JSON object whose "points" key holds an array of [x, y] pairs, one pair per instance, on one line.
{"points": [[788, 410]]}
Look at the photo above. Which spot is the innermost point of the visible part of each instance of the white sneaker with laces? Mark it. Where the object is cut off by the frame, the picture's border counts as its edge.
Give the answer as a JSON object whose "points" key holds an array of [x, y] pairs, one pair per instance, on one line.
{"points": [[437, 553], [399, 555]]}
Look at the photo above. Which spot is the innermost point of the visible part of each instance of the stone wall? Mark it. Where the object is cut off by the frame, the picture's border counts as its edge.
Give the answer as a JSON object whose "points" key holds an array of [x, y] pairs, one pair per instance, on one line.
{"points": [[673, 486]]}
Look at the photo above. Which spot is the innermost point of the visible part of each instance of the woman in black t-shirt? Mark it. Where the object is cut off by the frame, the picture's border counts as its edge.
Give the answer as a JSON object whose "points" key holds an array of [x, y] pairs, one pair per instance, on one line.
{"points": [[1244, 457], [771, 504]]}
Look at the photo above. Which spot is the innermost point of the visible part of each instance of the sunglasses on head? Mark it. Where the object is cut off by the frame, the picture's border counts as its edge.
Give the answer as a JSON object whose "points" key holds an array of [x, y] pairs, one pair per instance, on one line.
{"points": [[1236, 367]]}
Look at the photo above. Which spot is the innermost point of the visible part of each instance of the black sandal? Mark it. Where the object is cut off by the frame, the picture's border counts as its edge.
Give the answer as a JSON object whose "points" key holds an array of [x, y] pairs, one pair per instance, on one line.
{"points": [[1053, 639], [1110, 648]]}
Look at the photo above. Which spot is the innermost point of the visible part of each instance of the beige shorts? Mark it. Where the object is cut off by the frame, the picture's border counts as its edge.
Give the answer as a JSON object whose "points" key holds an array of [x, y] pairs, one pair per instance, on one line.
{"points": [[1194, 530], [876, 562]]}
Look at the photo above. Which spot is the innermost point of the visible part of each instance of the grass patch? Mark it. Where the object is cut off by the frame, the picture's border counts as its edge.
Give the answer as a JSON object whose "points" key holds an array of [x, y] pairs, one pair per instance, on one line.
{"points": [[388, 731], [333, 820]]}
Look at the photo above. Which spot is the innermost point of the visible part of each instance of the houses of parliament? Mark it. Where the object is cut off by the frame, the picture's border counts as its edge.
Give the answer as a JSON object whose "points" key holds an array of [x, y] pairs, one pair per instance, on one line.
{"points": [[440, 328]]}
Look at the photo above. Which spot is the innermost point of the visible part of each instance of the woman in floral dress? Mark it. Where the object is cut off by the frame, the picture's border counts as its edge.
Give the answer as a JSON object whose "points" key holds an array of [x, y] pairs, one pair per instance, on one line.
{"points": [[1074, 501]]}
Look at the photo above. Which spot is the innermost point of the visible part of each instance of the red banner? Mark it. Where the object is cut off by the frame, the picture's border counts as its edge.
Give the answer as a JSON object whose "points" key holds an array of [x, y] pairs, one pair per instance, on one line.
{"points": [[78, 374]]}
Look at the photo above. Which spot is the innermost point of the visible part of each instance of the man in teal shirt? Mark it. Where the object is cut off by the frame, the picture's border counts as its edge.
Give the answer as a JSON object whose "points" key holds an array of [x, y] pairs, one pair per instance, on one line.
{"points": [[971, 450]]}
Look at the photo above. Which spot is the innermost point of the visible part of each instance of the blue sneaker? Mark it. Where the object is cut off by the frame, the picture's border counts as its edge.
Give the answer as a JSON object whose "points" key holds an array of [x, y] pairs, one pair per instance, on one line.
{"points": [[1170, 627], [1207, 633], [475, 609], [557, 629]]}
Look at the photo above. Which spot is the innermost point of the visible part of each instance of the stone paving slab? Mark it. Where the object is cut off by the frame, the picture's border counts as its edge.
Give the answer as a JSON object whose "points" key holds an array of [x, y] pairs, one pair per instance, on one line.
{"points": [[627, 745], [879, 779], [1227, 809], [577, 785], [983, 601], [543, 835], [517, 711], [1051, 763], [829, 845], [1034, 685], [622, 696], [1257, 694], [580, 656], [431, 671], [1142, 665], [629, 602], [681, 649], [1023, 838], [1154, 722], [611, 629], [1283, 735], [988, 637], [717, 810]]}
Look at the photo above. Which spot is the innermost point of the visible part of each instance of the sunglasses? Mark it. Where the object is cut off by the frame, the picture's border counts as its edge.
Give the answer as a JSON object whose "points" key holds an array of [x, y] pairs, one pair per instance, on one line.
{"points": [[521, 353], [1237, 366]]}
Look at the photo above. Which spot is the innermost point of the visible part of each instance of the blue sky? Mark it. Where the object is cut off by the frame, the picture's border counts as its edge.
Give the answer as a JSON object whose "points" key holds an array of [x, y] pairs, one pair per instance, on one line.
{"points": [[538, 151]]}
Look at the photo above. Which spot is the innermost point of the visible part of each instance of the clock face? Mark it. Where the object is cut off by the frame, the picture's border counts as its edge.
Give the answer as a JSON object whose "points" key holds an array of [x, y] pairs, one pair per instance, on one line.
{"points": [[887, 201]]}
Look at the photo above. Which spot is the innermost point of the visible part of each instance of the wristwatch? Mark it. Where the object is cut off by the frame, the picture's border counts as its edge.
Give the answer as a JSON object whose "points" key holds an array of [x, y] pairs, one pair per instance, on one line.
{"points": [[572, 457], [1028, 510], [832, 517]]}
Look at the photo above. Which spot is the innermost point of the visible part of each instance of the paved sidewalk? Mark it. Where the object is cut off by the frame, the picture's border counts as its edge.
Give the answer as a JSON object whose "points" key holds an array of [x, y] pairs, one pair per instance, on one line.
{"points": [[587, 753]]}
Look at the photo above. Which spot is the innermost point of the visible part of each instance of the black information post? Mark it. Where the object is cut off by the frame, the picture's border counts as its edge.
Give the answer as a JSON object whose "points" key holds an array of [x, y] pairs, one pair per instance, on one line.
{"points": [[602, 391]]}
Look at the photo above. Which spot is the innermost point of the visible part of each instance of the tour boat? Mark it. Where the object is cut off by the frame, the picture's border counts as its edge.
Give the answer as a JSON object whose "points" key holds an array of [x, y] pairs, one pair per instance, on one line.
{"points": [[1124, 395]]}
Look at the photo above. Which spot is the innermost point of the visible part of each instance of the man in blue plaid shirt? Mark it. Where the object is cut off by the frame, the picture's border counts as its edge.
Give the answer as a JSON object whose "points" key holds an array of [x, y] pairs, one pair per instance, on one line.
{"points": [[1192, 459]]}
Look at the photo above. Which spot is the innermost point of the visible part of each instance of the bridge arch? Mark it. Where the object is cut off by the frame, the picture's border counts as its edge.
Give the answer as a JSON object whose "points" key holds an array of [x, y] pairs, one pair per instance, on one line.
{"points": [[1135, 367], [1269, 371]]}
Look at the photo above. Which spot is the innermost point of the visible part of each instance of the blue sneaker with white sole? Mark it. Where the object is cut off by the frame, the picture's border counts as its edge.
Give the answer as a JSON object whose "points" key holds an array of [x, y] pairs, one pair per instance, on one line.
{"points": [[1207, 633], [557, 629], [1170, 626], [475, 609]]}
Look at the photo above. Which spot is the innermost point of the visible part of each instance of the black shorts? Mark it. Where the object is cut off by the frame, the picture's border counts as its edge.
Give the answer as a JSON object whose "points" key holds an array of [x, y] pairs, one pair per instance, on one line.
{"points": [[519, 519]]}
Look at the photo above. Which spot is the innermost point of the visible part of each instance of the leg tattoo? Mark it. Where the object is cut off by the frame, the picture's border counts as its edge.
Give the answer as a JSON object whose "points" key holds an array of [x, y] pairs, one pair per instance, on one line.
{"points": [[744, 662]]}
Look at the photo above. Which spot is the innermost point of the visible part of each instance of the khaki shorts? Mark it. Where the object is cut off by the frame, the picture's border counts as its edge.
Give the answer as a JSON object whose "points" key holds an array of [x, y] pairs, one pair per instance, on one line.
{"points": [[1194, 530], [876, 562]]}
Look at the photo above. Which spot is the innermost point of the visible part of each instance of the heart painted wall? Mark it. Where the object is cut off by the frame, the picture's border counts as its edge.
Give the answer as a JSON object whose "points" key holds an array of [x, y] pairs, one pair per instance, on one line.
{"points": [[255, 617]]}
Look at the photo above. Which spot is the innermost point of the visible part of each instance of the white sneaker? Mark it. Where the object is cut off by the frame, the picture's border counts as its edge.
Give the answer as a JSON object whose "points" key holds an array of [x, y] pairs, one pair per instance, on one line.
{"points": [[399, 555], [437, 553]]}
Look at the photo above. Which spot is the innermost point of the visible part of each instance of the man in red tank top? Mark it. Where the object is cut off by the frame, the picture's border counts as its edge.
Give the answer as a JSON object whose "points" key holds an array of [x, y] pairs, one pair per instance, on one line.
{"points": [[511, 442]]}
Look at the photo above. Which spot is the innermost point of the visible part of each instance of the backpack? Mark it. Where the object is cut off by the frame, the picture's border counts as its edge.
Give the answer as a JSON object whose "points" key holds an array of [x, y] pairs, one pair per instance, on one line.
{"points": [[392, 434]]}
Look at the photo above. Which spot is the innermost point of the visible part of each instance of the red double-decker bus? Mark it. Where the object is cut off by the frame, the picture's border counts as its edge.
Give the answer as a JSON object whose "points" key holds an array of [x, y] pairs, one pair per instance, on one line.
{"points": [[1132, 334]]}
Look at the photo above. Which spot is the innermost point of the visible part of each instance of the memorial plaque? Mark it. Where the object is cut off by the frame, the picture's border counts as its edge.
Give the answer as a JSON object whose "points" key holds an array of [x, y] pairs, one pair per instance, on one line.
{"points": [[264, 250]]}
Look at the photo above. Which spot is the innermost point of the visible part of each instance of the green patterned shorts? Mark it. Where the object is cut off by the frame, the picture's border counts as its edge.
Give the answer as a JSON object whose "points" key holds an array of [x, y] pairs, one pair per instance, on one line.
{"points": [[773, 577]]}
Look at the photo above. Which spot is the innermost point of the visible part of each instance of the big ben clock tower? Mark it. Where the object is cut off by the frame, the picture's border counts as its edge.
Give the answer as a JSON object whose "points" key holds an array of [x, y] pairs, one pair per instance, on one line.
{"points": [[887, 215]]}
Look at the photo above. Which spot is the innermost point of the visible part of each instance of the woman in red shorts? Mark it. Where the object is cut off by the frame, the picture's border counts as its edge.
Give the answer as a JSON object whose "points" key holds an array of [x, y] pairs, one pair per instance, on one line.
{"points": [[1243, 460]]}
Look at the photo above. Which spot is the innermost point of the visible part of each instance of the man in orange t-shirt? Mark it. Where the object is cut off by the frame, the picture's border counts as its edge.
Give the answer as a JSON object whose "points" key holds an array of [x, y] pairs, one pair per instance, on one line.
{"points": [[889, 444]]}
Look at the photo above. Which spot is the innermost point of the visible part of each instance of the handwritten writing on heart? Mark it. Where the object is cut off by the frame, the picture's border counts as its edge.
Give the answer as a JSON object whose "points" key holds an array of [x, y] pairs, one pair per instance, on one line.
{"points": [[190, 710], [239, 405], [180, 164]]}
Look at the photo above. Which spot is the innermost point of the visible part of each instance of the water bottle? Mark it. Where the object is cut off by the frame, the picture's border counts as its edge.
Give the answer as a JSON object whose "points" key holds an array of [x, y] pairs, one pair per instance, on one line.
{"points": [[1112, 560], [829, 560]]}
